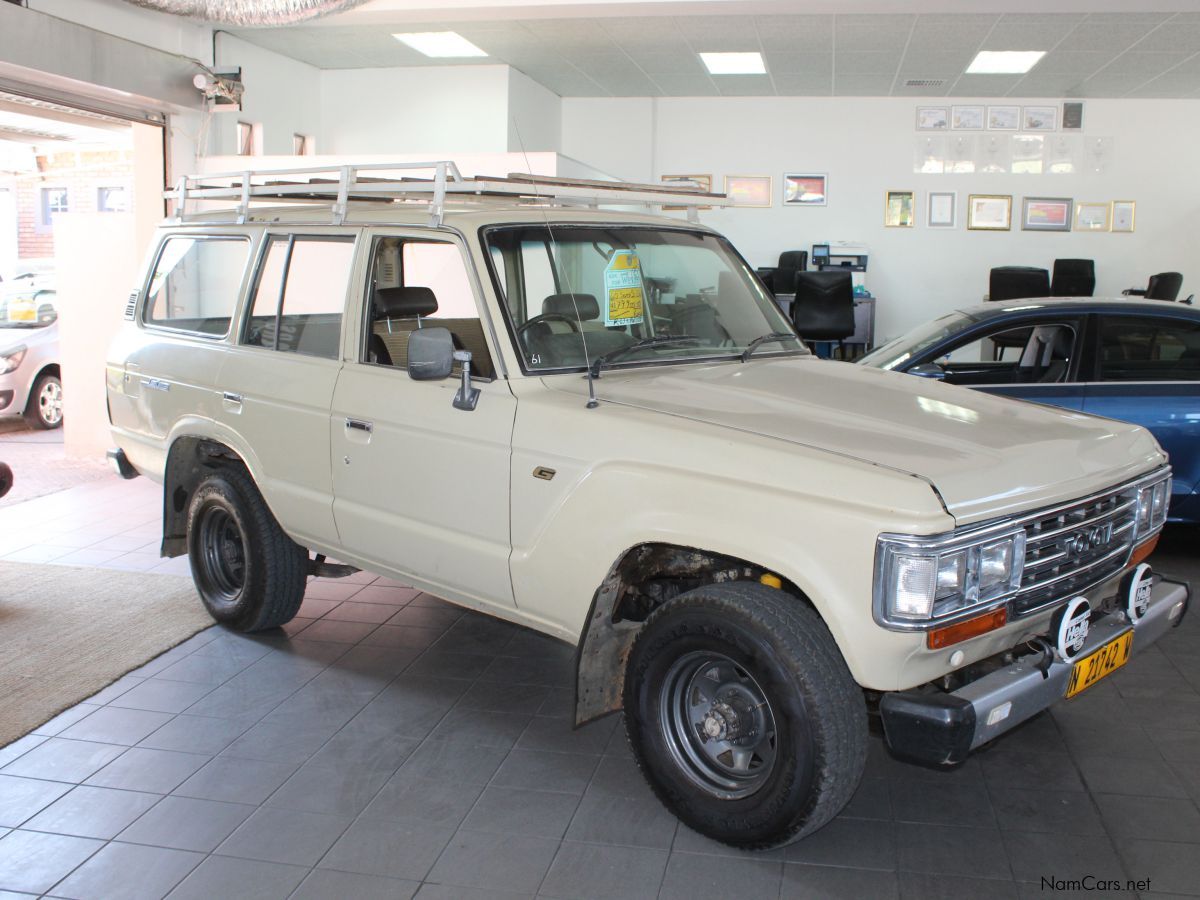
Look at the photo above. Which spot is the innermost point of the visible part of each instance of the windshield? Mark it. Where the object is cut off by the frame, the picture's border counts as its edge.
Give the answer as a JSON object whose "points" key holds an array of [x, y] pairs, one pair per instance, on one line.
{"points": [[574, 293], [902, 349]]}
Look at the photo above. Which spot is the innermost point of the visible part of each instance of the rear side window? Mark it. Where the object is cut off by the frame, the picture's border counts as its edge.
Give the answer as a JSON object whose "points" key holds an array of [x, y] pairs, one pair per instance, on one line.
{"points": [[300, 294], [195, 284], [1158, 349]]}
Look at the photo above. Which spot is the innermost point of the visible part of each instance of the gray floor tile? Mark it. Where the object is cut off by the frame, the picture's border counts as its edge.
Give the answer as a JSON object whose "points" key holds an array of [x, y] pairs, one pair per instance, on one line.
{"points": [[128, 682], [688, 841], [65, 719], [521, 699], [610, 819], [1069, 856], [533, 813], [620, 775], [197, 734], [18, 748], [246, 879], [143, 769], [455, 892], [476, 726], [1012, 768], [494, 861], [93, 812], [369, 613], [338, 632], [1136, 776], [946, 850], [529, 670], [872, 800], [21, 798], [381, 661], [335, 791], [326, 884], [404, 850], [31, 862], [280, 742], [545, 733], [856, 843], [411, 797], [691, 875], [1066, 812], [1150, 818], [128, 872], [1171, 868], [362, 747], [605, 873], [157, 695], [435, 663], [542, 770], [236, 780], [455, 761], [111, 725], [919, 886], [62, 760], [184, 823], [399, 636], [284, 836], [206, 670], [1128, 740], [827, 883], [941, 803]]}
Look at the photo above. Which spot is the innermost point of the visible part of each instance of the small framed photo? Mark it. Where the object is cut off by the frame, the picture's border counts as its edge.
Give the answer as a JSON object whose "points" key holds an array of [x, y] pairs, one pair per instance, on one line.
{"points": [[748, 190], [1072, 116], [989, 212], [941, 209], [1123, 212], [703, 182], [933, 118], [805, 190], [1003, 118], [899, 209], [1039, 118], [1093, 216], [967, 118], [1046, 213]]}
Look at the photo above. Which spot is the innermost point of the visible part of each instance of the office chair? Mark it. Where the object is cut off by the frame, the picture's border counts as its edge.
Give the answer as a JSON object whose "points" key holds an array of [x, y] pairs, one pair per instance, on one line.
{"points": [[1163, 286], [824, 306], [1073, 278], [1018, 282], [782, 278]]}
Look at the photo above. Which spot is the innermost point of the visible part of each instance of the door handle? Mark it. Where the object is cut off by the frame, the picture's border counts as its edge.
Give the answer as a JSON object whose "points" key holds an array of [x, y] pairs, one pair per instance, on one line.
{"points": [[360, 425], [231, 402], [232, 397]]}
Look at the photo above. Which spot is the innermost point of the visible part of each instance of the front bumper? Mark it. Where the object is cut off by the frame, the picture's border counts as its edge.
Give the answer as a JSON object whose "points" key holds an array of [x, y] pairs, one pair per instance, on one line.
{"points": [[941, 729]]}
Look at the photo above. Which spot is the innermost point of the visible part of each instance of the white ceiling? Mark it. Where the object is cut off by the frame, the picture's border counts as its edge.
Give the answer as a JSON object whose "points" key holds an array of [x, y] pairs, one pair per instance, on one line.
{"points": [[1090, 54]]}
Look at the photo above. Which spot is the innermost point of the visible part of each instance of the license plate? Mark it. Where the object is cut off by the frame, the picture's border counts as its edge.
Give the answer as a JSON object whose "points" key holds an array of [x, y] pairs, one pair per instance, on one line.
{"points": [[1100, 662]]}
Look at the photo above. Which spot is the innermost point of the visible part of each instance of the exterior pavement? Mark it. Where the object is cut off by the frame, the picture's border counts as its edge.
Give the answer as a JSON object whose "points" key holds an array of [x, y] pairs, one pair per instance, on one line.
{"points": [[388, 744]]}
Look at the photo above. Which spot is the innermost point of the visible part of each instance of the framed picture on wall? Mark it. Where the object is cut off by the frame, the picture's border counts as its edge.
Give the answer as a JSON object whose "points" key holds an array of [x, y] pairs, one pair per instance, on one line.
{"points": [[748, 190], [1093, 216], [703, 183], [933, 118], [898, 209], [989, 212], [1039, 118], [941, 209], [1123, 215], [1046, 214], [805, 190], [967, 118], [1003, 118]]}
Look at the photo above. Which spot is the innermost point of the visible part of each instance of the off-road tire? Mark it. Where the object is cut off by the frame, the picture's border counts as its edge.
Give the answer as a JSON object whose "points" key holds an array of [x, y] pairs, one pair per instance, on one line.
{"points": [[249, 573], [818, 711], [44, 409]]}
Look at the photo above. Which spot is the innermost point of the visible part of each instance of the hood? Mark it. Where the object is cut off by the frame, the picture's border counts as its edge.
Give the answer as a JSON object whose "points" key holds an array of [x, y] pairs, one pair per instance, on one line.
{"points": [[985, 455], [11, 337]]}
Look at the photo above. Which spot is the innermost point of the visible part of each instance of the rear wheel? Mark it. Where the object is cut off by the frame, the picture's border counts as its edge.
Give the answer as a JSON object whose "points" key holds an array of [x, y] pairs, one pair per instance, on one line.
{"points": [[743, 716], [45, 408], [249, 573]]}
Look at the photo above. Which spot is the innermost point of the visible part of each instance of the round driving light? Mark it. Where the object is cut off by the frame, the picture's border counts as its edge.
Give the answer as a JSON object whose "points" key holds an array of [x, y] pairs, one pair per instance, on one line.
{"points": [[1070, 628], [1136, 588]]}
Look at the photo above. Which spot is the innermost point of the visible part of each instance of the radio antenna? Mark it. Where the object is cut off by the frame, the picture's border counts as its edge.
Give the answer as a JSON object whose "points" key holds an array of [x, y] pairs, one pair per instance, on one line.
{"points": [[592, 402]]}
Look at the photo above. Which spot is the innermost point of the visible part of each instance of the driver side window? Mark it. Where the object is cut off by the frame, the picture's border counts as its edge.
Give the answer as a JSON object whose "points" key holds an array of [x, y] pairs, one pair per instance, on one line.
{"points": [[1027, 354]]}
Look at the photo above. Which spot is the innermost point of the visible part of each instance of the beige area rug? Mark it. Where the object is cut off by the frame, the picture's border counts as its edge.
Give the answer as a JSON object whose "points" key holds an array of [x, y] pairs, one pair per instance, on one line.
{"points": [[67, 632]]}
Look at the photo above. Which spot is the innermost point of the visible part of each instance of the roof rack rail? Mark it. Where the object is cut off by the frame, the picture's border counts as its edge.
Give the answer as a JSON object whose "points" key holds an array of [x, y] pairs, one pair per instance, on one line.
{"points": [[315, 184]]}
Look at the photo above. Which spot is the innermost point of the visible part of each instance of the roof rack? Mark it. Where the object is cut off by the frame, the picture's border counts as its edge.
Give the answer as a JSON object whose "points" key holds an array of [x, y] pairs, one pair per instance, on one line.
{"points": [[315, 184]]}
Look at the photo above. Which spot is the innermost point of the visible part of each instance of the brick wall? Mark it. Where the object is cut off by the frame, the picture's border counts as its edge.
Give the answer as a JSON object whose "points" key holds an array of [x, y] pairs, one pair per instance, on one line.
{"points": [[82, 173]]}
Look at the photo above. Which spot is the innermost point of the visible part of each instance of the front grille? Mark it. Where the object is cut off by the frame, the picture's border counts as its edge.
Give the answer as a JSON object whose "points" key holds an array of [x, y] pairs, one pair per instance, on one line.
{"points": [[1071, 549]]}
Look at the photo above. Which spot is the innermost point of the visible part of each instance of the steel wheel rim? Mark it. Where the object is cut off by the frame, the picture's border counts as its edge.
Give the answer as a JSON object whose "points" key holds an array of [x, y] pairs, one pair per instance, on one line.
{"points": [[223, 552], [50, 402], [718, 724]]}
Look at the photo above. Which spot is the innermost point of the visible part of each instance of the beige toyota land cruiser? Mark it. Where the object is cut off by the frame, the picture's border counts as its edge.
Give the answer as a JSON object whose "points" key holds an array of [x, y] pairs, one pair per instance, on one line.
{"points": [[597, 424]]}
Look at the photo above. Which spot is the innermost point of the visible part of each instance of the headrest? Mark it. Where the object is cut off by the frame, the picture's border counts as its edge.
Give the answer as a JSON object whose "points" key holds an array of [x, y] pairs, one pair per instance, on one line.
{"points": [[404, 302], [585, 306]]}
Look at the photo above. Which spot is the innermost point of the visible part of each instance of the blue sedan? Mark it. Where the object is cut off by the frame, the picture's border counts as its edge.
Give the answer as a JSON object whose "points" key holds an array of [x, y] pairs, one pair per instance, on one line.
{"points": [[1134, 360]]}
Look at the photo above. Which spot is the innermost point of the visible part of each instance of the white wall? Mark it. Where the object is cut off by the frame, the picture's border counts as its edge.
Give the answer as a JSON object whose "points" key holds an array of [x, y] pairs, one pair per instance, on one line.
{"points": [[534, 115], [866, 146], [446, 109]]}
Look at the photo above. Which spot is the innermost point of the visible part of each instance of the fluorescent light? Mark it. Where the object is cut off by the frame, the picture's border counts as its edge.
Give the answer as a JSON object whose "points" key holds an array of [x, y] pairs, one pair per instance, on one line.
{"points": [[734, 63], [441, 44], [1004, 62]]}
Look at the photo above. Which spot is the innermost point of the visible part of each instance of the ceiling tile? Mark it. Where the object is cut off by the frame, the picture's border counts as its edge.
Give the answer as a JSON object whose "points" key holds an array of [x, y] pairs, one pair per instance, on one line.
{"points": [[794, 33], [1112, 37], [807, 85], [939, 33], [1142, 64], [862, 85], [1060, 61], [744, 86], [628, 84], [1173, 36], [865, 33], [1038, 32], [984, 85], [884, 62], [707, 29], [686, 85], [934, 64], [798, 63], [685, 62]]}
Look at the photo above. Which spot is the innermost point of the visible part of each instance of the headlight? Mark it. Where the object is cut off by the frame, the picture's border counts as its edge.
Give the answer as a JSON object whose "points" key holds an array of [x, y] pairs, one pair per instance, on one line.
{"points": [[924, 581], [1152, 502], [11, 359]]}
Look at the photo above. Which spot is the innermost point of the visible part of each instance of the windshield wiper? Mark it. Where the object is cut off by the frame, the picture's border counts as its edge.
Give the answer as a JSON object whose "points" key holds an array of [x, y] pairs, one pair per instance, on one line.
{"points": [[658, 340], [771, 338]]}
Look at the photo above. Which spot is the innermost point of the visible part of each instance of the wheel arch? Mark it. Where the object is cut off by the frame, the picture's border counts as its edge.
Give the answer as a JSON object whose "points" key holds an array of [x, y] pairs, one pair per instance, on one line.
{"points": [[190, 459]]}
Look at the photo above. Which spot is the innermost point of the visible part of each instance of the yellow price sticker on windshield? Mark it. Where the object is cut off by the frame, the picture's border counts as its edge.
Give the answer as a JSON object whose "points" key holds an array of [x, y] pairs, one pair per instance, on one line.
{"points": [[625, 301]]}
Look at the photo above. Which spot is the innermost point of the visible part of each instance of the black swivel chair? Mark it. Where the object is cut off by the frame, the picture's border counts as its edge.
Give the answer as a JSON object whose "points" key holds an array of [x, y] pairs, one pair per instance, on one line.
{"points": [[1073, 278], [1018, 282], [1163, 286], [824, 306], [782, 279]]}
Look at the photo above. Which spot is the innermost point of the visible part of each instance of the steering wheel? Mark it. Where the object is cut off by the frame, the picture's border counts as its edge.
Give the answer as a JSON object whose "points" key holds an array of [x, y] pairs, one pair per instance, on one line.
{"points": [[546, 317]]}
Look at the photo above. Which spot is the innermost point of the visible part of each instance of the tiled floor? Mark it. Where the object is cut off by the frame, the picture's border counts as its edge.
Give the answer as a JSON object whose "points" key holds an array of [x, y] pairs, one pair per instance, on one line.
{"points": [[387, 744]]}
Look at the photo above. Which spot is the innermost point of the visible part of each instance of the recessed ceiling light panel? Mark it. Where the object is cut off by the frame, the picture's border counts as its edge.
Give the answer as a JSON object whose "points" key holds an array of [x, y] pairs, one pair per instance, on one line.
{"points": [[734, 63], [1004, 62], [440, 44]]}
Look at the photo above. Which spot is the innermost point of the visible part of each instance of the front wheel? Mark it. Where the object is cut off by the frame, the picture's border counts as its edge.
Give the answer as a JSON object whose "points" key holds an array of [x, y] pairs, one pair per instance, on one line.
{"points": [[45, 408], [743, 716], [249, 573]]}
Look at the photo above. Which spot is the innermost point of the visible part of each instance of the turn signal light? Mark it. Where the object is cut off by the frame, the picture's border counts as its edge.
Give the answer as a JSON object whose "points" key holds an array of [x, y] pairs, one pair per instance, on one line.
{"points": [[961, 631], [1141, 552]]}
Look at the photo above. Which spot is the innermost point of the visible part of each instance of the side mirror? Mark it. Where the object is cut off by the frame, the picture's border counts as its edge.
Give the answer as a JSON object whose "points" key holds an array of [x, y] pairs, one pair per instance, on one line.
{"points": [[430, 354], [928, 370]]}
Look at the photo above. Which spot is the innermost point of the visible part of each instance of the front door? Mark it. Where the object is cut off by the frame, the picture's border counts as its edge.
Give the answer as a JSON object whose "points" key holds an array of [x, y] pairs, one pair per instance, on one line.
{"points": [[421, 487]]}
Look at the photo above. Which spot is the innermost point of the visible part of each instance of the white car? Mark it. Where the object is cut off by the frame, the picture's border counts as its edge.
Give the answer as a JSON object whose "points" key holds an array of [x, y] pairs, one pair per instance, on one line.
{"points": [[30, 377], [31, 296], [597, 424]]}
